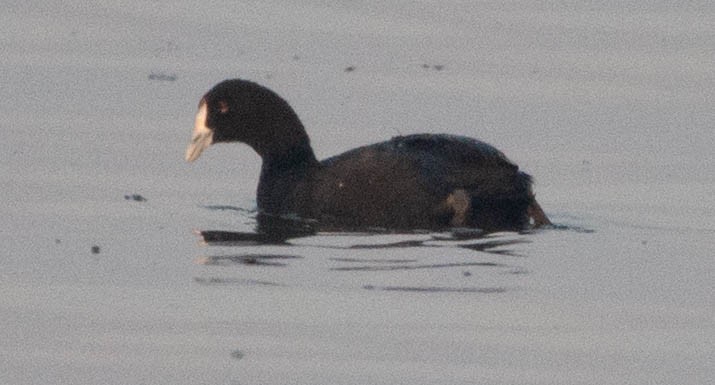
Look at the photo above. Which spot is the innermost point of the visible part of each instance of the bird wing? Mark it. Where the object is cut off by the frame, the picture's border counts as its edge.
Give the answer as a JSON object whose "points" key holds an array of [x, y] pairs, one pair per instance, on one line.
{"points": [[456, 162]]}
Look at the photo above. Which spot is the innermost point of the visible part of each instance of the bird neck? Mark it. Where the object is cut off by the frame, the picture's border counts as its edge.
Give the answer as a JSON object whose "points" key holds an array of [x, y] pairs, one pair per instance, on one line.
{"points": [[285, 178], [296, 158]]}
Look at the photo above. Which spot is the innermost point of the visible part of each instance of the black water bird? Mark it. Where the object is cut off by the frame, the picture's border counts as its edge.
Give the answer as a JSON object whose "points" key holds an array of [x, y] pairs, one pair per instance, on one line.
{"points": [[422, 181]]}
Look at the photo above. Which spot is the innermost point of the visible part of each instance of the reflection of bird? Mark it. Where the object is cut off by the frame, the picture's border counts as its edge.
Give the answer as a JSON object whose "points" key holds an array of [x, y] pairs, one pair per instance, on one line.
{"points": [[409, 182]]}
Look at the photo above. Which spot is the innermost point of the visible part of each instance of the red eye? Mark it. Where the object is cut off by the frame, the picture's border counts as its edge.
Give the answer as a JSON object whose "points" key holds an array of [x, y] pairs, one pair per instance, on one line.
{"points": [[223, 107]]}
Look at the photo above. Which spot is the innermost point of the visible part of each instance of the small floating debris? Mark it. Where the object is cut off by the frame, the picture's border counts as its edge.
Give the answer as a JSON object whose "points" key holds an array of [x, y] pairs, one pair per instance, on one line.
{"points": [[95, 249], [135, 197], [237, 354], [350, 69], [436, 67], [160, 76]]}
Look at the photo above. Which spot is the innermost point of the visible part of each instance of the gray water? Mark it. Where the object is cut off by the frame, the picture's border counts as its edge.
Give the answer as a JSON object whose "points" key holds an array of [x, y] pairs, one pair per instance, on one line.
{"points": [[608, 105]]}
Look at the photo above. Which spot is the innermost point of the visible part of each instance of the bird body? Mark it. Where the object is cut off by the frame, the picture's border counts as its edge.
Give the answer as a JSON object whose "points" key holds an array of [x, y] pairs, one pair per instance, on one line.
{"points": [[423, 181]]}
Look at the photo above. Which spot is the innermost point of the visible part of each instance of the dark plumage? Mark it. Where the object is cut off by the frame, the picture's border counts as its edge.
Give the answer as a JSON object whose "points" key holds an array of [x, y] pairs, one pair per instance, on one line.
{"points": [[409, 182]]}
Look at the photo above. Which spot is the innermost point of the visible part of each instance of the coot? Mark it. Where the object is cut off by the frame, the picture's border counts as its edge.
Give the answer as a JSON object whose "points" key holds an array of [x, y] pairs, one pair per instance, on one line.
{"points": [[420, 181]]}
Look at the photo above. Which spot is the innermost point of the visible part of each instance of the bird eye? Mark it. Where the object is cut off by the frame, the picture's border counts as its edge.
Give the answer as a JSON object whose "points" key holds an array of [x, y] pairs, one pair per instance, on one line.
{"points": [[223, 107]]}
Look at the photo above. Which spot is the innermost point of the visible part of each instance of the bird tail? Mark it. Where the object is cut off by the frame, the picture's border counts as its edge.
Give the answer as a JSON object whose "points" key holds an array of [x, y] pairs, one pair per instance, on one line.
{"points": [[536, 214]]}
